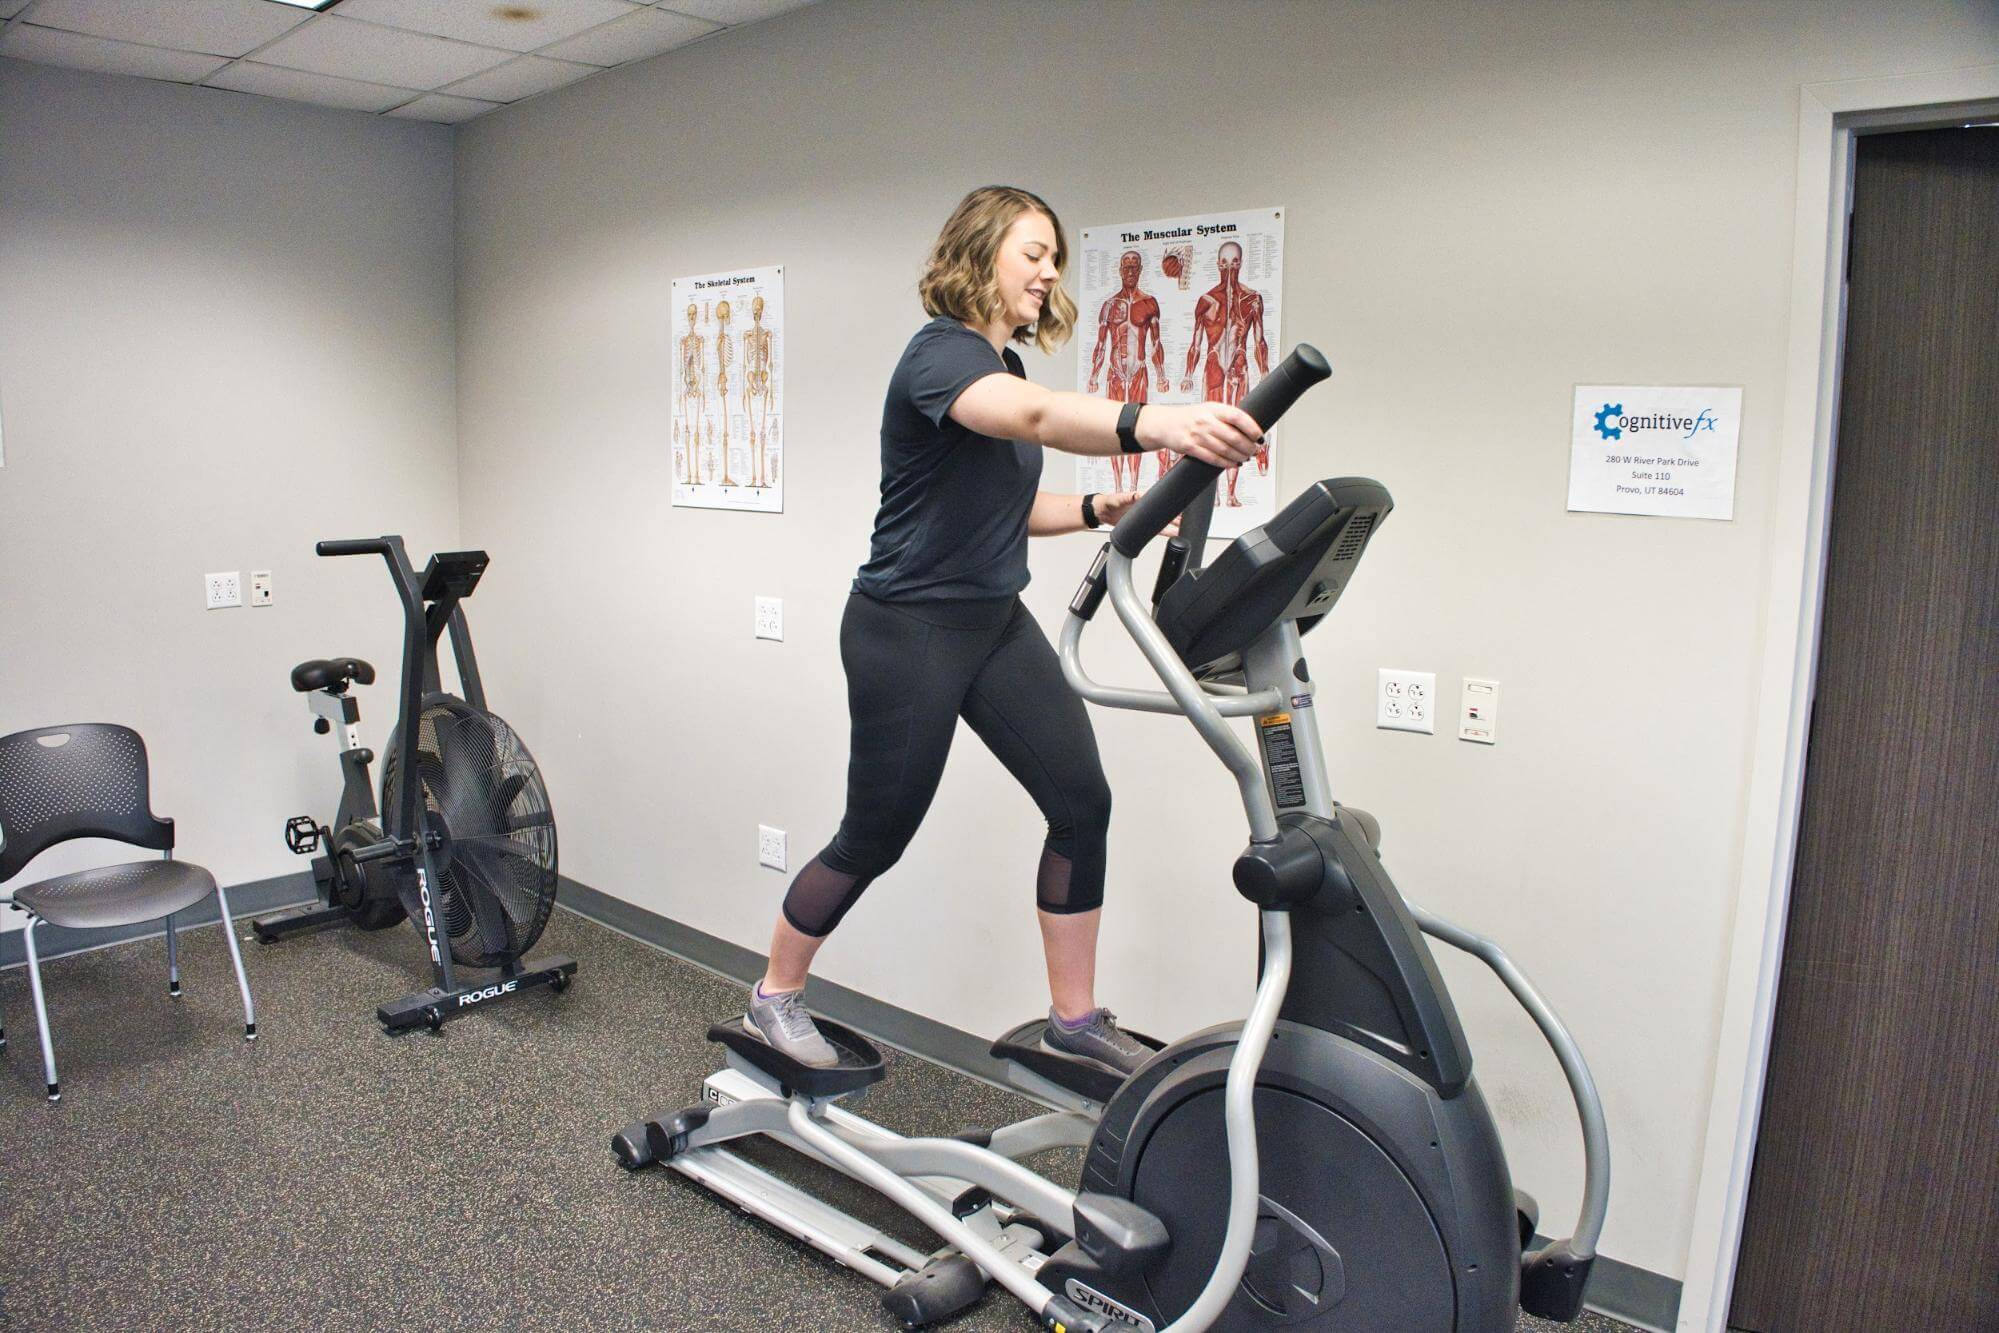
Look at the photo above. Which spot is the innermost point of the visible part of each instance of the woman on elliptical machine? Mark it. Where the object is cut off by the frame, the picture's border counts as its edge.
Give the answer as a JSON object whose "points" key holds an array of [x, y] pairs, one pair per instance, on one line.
{"points": [[934, 628]]}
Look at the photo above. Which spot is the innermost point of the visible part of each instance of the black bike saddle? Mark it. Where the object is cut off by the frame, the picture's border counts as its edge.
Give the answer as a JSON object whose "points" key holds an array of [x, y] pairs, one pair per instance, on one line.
{"points": [[331, 674]]}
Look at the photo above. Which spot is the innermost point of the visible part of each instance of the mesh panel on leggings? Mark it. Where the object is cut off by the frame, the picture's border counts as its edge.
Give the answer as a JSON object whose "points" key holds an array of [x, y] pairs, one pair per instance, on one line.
{"points": [[1051, 882], [819, 897], [92, 770]]}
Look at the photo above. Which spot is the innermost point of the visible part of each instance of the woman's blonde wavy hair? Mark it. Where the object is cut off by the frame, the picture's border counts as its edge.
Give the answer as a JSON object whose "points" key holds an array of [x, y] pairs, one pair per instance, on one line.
{"points": [[960, 279]]}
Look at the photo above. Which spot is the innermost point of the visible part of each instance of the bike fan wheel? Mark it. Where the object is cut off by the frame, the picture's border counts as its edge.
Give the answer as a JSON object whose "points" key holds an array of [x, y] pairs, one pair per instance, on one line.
{"points": [[481, 796]]}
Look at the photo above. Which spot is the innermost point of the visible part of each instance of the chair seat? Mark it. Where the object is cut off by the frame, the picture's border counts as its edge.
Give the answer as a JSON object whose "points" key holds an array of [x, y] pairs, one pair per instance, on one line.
{"points": [[121, 895]]}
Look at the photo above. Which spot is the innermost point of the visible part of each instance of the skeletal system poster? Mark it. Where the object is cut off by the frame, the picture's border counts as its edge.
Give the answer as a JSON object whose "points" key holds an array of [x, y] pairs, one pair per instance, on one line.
{"points": [[728, 390], [1181, 311]]}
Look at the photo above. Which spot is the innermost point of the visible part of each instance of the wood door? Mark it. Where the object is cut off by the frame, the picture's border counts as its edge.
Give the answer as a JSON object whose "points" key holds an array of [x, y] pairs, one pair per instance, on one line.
{"points": [[1874, 1200]]}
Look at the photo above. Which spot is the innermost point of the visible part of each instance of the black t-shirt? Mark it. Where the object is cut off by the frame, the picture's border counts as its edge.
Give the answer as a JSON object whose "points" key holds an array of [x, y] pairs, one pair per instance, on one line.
{"points": [[953, 518]]}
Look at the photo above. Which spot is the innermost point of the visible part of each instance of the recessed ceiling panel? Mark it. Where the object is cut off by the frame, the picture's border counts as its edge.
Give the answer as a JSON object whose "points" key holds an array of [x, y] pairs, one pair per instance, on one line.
{"points": [[48, 46], [520, 78], [734, 11], [350, 49], [216, 27], [517, 25], [443, 108], [247, 76], [647, 32]]}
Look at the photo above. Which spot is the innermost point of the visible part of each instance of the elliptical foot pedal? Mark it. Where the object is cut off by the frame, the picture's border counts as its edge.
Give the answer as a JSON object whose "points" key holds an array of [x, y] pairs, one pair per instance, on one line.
{"points": [[860, 1063], [1093, 1080], [946, 1286]]}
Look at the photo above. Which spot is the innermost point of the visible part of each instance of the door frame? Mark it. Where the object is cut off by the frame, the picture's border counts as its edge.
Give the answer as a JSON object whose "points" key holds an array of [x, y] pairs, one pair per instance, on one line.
{"points": [[1831, 116]]}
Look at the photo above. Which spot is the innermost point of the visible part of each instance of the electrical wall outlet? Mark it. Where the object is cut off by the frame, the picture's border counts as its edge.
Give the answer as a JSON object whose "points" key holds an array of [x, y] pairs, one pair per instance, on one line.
{"points": [[770, 618], [1406, 701], [770, 846], [1478, 712], [224, 589], [260, 587]]}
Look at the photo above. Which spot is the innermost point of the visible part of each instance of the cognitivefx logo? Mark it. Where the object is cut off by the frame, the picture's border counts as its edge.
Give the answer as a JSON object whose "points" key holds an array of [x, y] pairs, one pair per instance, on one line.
{"points": [[1611, 422]]}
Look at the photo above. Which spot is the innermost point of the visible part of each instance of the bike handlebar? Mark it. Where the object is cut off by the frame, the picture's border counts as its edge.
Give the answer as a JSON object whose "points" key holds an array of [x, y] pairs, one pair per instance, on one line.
{"points": [[1268, 401]]}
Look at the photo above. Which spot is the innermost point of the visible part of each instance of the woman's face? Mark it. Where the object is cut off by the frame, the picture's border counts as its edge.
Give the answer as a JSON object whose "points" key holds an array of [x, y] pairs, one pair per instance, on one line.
{"points": [[1026, 269]]}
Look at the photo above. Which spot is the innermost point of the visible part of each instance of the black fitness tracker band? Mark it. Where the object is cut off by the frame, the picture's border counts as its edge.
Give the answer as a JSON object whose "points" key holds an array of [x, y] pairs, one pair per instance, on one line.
{"points": [[1127, 429], [1090, 519]]}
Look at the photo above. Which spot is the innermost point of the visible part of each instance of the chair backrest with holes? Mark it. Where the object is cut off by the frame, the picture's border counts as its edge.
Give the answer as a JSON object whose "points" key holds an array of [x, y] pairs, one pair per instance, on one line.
{"points": [[85, 780]]}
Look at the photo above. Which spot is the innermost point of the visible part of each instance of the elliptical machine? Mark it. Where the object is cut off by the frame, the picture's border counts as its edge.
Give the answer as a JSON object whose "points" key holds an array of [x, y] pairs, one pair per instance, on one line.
{"points": [[1390, 1205], [465, 846]]}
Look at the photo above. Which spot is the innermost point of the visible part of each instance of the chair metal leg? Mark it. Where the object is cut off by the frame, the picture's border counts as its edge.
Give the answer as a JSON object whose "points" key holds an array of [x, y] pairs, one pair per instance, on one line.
{"points": [[236, 957], [41, 1010], [173, 959]]}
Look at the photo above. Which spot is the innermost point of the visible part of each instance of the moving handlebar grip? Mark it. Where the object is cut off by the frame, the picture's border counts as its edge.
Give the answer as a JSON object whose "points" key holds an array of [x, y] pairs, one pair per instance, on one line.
{"points": [[354, 546], [1265, 403]]}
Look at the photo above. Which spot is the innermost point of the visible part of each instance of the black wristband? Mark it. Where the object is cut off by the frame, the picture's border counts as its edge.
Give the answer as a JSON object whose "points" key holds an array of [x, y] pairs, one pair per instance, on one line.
{"points": [[1090, 519], [1127, 429]]}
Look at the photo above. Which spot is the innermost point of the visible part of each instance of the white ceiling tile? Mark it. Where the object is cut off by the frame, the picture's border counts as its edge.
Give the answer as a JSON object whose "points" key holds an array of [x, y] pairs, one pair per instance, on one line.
{"points": [[48, 46], [350, 49], [541, 21], [734, 11], [217, 27], [645, 32], [247, 76], [445, 110], [520, 78], [9, 8]]}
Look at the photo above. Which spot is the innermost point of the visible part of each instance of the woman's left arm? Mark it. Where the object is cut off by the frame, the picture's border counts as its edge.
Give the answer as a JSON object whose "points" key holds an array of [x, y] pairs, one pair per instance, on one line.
{"points": [[1055, 514]]}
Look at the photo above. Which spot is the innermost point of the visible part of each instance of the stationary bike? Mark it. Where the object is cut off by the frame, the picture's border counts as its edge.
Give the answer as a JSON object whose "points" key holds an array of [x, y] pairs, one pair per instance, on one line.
{"points": [[465, 844], [1387, 1204]]}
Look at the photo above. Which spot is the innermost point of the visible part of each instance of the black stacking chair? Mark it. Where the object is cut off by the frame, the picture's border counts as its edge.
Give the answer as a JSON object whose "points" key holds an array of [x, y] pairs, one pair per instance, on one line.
{"points": [[89, 780]]}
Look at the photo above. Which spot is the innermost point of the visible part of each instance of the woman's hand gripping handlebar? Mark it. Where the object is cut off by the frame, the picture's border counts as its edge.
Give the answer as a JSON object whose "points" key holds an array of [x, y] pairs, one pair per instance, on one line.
{"points": [[1185, 480], [1265, 403]]}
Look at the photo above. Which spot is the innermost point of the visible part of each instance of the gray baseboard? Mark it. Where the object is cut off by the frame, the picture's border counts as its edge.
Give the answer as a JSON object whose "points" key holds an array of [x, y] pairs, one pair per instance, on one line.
{"points": [[245, 900], [1632, 1295], [886, 1023]]}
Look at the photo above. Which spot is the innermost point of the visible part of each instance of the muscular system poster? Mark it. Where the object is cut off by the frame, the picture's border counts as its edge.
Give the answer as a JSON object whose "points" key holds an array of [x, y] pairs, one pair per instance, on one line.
{"points": [[728, 390], [1178, 311]]}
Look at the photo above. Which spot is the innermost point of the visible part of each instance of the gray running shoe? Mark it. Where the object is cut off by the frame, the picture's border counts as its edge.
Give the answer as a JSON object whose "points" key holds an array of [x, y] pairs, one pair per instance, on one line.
{"points": [[1101, 1041], [783, 1021]]}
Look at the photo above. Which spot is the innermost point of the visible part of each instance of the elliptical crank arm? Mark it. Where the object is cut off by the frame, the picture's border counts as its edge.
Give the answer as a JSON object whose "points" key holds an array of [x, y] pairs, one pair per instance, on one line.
{"points": [[1581, 1246]]}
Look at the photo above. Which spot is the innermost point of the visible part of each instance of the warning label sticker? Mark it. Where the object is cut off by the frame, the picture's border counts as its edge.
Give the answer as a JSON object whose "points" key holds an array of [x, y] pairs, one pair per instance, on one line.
{"points": [[1280, 760]]}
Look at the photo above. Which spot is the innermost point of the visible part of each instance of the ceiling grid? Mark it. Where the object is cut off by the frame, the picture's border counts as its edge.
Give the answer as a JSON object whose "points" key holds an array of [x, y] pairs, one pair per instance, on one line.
{"points": [[439, 60]]}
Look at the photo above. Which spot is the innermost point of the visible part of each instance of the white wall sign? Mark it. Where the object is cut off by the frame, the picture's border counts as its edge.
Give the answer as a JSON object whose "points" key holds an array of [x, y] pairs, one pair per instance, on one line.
{"points": [[727, 331], [1183, 310], [1648, 450]]}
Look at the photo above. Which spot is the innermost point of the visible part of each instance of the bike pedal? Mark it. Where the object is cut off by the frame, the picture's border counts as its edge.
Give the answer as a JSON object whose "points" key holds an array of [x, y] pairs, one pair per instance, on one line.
{"points": [[303, 835]]}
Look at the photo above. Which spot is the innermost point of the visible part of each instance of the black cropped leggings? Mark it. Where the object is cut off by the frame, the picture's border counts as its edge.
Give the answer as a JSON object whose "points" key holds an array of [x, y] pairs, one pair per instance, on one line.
{"points": [[915, 668]]}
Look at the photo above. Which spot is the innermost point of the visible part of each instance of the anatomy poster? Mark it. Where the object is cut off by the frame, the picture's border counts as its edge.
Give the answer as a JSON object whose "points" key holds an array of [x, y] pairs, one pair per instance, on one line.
{"points": [[1177, 312], [728, 390]]}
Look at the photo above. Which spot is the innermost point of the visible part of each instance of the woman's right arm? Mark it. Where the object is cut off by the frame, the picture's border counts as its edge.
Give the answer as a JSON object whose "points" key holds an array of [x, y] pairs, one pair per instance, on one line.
{"points": [[1007, 407]]}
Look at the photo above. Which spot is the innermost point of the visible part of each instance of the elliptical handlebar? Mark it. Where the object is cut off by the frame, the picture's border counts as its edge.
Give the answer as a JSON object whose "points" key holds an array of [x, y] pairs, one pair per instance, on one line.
{"points": [[1268, 401], [355, 546]]}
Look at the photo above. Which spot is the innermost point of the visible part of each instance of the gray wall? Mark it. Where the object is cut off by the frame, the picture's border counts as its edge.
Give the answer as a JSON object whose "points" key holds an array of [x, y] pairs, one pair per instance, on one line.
{"points": [[225, 330], [1488, 205]]}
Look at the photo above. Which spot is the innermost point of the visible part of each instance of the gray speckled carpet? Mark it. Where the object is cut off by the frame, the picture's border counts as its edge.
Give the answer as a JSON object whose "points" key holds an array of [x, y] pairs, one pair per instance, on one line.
{"points": [[330, 1176]]}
